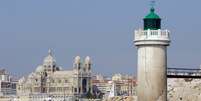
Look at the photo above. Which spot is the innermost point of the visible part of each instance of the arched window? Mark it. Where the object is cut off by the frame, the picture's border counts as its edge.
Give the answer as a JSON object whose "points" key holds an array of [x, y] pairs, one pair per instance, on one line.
{"points": [[36, 80], [84, 85], [89, 67], [79, 66]]}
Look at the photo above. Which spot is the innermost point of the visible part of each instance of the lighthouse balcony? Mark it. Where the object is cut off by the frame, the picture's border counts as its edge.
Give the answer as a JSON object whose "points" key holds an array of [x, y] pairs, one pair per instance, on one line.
{"points": [[151, 37]]}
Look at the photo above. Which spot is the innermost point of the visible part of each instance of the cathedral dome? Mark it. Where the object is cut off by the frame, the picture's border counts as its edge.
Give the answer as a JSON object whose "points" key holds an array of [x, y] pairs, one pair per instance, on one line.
{"points": [[87, 59], [77, 59], [39, 69], [31, 75], [49, 59], [22, 80]]}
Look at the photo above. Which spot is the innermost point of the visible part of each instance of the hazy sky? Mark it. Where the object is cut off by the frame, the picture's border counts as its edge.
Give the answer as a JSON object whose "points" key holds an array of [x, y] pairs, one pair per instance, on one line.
{"points": [[101, 29]]}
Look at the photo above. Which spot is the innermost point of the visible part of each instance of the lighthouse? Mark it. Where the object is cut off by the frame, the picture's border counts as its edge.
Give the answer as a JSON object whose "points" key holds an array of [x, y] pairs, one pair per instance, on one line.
{"points": [[151, 43]]}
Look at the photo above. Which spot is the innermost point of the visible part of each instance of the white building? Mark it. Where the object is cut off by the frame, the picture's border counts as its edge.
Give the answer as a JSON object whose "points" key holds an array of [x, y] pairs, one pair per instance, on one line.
{"points": [[7, 85], [118, 85], [50, 81]]}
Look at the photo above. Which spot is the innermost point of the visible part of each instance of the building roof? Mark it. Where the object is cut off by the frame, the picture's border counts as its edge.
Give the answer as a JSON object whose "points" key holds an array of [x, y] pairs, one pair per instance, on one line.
{"points": [[66, 73], [152, 15]]}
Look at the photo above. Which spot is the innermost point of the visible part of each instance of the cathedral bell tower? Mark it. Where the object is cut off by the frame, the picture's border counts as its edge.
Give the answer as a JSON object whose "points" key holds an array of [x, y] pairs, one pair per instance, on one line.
{"points": [[86, 80], [82, 73], [151, 43], [77, 75]]}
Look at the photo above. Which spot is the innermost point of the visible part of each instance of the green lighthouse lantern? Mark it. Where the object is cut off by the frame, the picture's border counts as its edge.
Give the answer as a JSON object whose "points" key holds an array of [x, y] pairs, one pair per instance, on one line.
{"points": [[152, 21]]}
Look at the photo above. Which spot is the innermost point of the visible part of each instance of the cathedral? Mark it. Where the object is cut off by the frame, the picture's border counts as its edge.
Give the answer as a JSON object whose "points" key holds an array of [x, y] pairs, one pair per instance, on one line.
{"points": [[50, 79]]}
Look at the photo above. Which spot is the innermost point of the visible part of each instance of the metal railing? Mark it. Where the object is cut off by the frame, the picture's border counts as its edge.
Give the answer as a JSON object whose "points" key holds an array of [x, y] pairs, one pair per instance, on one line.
{"points": [[183, 73], [152, 35]]}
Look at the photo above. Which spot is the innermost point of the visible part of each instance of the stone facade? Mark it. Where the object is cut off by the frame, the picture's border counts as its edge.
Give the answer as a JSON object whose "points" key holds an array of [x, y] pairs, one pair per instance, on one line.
{"points": [[51, 81], [7, 84], [180, 89]]}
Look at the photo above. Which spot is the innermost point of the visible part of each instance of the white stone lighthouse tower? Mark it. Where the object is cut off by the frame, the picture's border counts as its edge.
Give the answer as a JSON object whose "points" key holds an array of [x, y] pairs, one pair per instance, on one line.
{"points": [[152, 44]]}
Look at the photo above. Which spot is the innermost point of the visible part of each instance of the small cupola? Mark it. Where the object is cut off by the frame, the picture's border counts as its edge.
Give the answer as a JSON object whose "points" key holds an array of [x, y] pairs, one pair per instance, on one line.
{"points": [[152, 21]]}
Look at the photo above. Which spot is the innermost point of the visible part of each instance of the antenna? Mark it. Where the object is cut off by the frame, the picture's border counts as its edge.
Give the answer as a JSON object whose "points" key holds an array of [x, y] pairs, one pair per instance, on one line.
{"points": [[152, 3]]}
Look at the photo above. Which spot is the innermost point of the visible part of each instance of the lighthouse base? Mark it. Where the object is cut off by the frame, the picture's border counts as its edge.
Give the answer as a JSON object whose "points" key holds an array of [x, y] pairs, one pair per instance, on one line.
{"points": [[152, 81]]}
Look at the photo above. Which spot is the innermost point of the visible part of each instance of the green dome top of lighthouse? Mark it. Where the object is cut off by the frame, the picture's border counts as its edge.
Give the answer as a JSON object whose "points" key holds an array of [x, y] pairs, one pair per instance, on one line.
{"points": [[152, 21], [152, 15]]}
